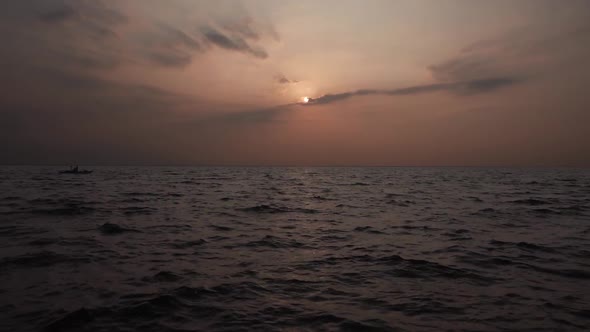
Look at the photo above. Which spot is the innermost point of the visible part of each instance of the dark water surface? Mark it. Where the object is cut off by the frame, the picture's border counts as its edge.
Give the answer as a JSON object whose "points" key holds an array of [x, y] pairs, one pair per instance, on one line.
{"points": [[294, 249]]}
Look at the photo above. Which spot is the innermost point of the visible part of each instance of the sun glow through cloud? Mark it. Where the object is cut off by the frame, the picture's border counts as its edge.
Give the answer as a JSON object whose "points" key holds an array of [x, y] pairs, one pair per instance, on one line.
{"points": [[305, 100]]}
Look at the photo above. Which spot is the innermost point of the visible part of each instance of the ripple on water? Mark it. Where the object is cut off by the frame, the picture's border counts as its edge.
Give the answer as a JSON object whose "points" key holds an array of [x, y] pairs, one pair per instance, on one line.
{"points": [[294, 249]]}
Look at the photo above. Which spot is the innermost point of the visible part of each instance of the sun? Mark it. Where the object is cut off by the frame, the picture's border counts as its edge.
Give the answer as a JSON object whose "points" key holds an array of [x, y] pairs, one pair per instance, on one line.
{"points": [[305, 100]]}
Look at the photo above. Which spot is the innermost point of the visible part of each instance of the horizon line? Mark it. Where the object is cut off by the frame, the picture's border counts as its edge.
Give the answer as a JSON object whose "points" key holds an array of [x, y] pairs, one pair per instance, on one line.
{"points": [[300, 166]]}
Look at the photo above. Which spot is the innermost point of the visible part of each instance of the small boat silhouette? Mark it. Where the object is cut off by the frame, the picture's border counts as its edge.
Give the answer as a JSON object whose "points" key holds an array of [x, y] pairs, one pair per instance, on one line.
{"points": [[75, 170]]}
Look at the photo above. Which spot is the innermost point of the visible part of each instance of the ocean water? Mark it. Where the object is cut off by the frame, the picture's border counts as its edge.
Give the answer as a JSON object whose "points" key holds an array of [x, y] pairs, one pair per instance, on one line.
{"points": [[294, 249]]}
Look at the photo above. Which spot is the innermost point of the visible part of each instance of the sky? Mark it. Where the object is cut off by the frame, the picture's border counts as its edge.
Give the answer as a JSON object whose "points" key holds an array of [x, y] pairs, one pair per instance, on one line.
{"points": [[295, 82]]}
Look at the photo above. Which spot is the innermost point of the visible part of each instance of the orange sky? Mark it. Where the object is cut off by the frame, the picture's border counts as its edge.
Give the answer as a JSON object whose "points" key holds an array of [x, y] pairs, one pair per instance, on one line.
{"points": [[186, 82]]}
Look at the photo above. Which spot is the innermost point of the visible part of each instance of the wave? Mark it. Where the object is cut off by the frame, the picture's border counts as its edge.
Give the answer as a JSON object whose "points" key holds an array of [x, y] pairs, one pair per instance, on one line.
{"points": [[531, 201], [367, 229], [164, 276], [207, 308], [231, 249], [66, 211], [188, 244], [138, 210], [221, 228], [264, 208], [401, 203], [407, 268], [41, 259], [496, 262], [11, 198], [275, 242], [113, 229], [141, 194], [523, 245]]}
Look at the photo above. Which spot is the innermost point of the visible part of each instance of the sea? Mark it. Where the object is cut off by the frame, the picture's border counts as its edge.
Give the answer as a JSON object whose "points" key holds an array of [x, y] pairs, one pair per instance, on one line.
{"points": [[294, 249]]}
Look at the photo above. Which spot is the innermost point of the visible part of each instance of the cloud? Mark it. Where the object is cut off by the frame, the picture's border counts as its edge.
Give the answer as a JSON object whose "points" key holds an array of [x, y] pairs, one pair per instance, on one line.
{"points": [[85, 59], [176, 36], [282, 79], [248, 117], [244, 28], [461, 88], [168, 46], [58, 15], [82, 117], [96, 35], [490, 64], [526, 52], [82, 12], [233, 42], [169, 58], [71, 35], [73, 21], [55, 88]]}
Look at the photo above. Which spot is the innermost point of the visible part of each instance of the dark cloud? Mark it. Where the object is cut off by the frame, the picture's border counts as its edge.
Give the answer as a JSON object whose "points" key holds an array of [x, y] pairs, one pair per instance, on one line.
{"points": [[459, 88], [238, 32], [282, 79], [90, 35], [57, 11], [526, 52], [466, 66], [58, 104], [253, 115], [58, 15], [243, 28], [87, 91], [462, 88], [172, 47], [88, 60], [231, 42], [100, 32], [485, 85], [176, 37], [169, 58], [169, 46], [68, 19], [61, 34], [85, 118], [247, 117], [97, 10]]}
